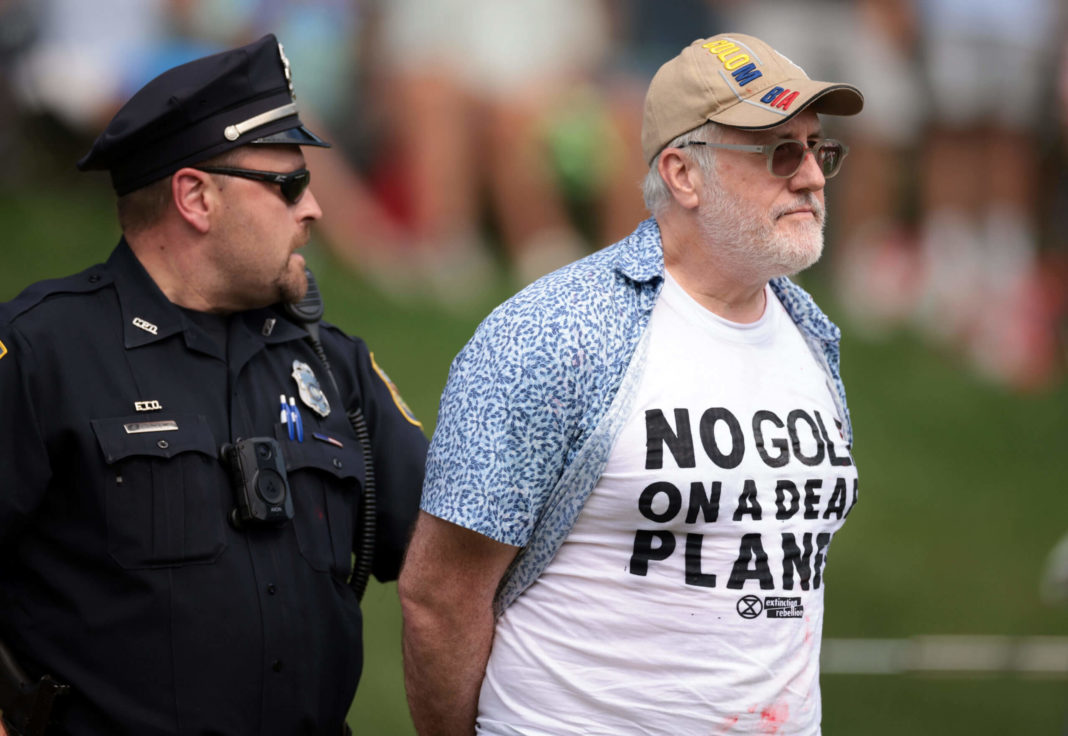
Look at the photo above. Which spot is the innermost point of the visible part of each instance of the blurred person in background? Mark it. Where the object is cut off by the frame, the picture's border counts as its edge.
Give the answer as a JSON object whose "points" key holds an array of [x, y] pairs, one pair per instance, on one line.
{"points": [[487, 74], [535, 148], [87, 58], [612, 536], [872, 43], [82, 60], [940, 225], [190, 465], [17, 29], [988, 65], [609, 170]]}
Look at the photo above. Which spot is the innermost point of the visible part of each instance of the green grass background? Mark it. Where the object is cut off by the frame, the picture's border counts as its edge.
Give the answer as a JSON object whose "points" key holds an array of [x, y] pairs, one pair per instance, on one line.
{"points": [[963, 491]]}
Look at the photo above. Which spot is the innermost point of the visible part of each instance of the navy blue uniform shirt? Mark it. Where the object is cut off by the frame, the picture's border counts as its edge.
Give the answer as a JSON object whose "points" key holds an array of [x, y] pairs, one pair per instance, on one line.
{"points": [[119, 571]]}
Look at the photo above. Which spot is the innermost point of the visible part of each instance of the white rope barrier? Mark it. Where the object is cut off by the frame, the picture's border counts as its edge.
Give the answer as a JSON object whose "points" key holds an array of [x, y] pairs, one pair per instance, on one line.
{"points": [[1034, 656]]}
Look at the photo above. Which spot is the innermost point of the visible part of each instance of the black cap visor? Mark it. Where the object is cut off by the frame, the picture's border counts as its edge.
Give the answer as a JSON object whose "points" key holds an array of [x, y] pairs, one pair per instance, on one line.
{"points": [[298, 136]]}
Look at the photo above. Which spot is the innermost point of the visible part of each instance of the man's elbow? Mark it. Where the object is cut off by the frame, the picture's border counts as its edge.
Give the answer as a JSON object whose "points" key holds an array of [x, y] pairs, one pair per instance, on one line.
{"points": [[450, 574], [425, 592], [429, 600], [415, 600]]}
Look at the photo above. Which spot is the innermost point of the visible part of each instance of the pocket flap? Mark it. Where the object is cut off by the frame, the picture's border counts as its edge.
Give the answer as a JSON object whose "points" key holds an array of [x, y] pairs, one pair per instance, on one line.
{"points": [[341, 462], [123, 437]]}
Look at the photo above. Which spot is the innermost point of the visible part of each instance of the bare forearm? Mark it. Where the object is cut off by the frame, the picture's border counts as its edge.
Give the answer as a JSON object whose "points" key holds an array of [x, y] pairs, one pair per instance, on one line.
{"points": [[444, 662], [446, 589]]}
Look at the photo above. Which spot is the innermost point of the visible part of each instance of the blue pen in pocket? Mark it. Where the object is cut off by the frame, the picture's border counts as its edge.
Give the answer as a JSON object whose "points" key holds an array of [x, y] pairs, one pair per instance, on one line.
{"points": [[285, 416], [297, 421]]}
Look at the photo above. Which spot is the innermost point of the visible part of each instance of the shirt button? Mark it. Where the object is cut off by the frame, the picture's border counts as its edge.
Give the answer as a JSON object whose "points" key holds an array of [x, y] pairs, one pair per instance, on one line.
{"points": [[271, 589], [94, 278], [337, 463], [277, 666], [163, 444]]}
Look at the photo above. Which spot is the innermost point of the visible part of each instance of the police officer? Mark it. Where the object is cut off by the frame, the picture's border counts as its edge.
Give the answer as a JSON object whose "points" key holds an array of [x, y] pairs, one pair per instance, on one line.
{"points": [[184, 473]]}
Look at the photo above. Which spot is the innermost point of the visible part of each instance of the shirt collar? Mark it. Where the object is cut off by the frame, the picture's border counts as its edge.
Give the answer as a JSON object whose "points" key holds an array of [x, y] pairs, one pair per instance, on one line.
{"points": [[641, 259], [641, 255], [804, 311], [148, 316]]}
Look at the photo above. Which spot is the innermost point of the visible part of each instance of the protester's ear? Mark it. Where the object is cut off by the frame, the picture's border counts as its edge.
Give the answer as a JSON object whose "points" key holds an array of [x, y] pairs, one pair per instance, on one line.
{"points": [[681, 175]]}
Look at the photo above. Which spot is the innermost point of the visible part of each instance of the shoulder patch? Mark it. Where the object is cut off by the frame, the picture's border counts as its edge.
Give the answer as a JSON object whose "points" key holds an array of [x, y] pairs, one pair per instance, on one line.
{"points": [[401, 406], [3, 350]]}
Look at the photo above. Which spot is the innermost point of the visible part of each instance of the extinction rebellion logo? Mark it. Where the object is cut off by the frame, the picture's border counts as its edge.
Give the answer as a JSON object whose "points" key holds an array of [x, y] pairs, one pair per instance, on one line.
{"points": [[751, 606]]}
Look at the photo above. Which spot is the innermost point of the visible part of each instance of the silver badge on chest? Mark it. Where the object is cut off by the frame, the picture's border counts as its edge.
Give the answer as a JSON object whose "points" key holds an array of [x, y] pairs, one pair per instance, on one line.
{"points": [[311, 393]]}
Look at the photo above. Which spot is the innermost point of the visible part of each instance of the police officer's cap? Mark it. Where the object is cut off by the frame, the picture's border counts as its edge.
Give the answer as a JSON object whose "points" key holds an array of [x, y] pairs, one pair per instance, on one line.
{"points": [[198, 110]]}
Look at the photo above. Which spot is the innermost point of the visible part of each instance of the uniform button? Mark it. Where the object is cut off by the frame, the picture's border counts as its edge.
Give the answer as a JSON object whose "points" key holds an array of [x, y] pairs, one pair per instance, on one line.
{"points": [[94, 278], [277, 666], [337, 463], [162, 444], [271, 589]]}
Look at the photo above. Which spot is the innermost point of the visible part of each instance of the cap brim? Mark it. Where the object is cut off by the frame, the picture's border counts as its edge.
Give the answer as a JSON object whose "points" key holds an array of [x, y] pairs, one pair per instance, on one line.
{"points": [[298, 136], [823, 97]]}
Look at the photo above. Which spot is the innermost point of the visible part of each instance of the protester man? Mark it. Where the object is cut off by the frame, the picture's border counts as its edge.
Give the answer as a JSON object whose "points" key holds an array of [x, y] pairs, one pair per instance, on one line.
{"points": [[189, 465], [641, 459]]}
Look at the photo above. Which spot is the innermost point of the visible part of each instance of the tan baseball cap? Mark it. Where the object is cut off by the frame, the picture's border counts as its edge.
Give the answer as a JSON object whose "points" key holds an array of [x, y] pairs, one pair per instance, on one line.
{"points": [[736, 80]]}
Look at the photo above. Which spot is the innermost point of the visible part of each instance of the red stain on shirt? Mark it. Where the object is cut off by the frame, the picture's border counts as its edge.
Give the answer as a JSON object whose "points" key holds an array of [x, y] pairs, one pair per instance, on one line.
{"points": [[773, 717], [727, 726]]}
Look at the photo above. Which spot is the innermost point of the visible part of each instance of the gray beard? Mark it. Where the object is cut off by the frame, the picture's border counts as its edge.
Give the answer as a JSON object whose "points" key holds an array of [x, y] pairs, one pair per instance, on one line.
{"points": [[750, 242]]}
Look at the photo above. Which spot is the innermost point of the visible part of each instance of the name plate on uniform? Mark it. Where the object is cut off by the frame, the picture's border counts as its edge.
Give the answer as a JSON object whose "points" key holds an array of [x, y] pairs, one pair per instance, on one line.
{"points": [[139, 427]]}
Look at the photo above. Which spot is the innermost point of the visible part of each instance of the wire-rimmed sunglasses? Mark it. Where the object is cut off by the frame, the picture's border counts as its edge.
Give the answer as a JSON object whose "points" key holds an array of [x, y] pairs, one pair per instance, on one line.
{"points": [[292, 184], [786, 156]]}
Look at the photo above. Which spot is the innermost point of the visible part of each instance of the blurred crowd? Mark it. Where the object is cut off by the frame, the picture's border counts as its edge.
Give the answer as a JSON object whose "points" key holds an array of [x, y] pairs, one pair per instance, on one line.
{"points": [[483, 137]]}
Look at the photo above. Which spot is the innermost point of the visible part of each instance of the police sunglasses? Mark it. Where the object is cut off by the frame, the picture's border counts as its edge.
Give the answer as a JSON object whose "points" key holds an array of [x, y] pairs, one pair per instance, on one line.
{"points": [[292, 184], [786, 156]]}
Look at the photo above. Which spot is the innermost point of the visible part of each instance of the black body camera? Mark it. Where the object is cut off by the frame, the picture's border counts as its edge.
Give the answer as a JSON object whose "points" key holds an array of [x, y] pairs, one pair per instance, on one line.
{"points": [[261, 488]]}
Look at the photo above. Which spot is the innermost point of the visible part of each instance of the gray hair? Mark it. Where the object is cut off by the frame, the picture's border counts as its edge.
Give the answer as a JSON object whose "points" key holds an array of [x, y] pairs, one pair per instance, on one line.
{"points": [[654, 191]]}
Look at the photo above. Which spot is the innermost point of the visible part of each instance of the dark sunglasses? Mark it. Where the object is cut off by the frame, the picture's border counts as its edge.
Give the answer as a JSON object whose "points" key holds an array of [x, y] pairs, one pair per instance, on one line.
{"points": [[292, 184], [786, 156]]}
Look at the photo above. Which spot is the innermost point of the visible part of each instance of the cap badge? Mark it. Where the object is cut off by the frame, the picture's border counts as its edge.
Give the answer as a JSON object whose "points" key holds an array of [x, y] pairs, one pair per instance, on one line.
{"points": [[308, 387], [286, 71], [235, 131]]}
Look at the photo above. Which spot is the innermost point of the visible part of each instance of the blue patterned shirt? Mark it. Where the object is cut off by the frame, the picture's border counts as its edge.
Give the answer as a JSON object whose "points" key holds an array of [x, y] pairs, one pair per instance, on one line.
{"points": [[534, 401]]}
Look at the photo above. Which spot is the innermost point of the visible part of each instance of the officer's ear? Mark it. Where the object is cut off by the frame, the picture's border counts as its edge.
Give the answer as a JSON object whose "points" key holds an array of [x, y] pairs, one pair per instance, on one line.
{"points": [[195, 197]]}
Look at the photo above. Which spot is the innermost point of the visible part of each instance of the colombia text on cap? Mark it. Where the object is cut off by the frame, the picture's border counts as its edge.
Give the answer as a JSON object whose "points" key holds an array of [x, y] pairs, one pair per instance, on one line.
{"points": [[734, 80]]}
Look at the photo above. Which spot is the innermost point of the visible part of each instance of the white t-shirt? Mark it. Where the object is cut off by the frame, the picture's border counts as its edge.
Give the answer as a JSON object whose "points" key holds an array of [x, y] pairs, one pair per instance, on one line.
{"points": [[688, 598]]}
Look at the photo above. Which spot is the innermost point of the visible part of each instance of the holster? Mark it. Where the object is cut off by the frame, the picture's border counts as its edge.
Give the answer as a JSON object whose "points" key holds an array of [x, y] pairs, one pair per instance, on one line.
{"points": [[27, 706]]}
